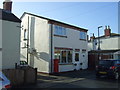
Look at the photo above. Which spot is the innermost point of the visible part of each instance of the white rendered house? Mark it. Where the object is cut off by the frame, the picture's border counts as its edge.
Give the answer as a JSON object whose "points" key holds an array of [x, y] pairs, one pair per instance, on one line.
{"points": [[53, 46], [9, 38], [109, 41]]}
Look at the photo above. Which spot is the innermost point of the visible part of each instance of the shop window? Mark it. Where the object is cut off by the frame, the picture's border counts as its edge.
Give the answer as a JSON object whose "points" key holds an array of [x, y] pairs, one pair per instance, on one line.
{"points": [[69, 56], [63, 57], [76, 56]]}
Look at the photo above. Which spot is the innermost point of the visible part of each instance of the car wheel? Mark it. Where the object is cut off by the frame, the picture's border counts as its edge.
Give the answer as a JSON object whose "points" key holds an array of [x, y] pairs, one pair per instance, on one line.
{"points": [[116, 75]]}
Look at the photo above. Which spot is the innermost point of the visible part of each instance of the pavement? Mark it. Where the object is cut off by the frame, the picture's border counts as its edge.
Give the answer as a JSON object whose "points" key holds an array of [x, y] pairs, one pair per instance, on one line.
{"points": [[76, 79]]}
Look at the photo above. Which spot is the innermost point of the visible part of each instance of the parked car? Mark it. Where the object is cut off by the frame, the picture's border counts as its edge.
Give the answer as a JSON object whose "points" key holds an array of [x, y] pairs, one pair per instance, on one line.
{"points": [[4, 82], [109, 68]]}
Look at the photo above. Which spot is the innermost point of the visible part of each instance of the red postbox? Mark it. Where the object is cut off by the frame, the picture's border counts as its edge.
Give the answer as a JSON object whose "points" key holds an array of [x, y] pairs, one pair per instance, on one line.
{"points": [[56, 65]]}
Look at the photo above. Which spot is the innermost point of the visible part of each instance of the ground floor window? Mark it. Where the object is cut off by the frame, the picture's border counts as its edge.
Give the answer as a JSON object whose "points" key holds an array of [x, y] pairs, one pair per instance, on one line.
{"points": [[64, 56], [69, 56], [76, 56]]}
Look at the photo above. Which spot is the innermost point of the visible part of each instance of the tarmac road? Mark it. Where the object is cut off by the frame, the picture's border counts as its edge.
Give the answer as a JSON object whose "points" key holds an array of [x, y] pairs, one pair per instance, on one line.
{"points": [[76, 79]]}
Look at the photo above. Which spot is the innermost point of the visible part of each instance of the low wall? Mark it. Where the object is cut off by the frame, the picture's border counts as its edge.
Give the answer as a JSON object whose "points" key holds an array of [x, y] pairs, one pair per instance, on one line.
{"points": [[21, 76]]}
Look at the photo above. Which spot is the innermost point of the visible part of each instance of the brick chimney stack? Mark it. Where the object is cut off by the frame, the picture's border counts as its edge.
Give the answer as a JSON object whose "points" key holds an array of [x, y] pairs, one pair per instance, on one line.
{"points": [[7, 5], [107, 31]]}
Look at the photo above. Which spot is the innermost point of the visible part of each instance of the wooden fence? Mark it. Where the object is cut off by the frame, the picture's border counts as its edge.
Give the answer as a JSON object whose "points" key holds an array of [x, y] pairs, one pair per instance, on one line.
{"points": [[21, 76]]}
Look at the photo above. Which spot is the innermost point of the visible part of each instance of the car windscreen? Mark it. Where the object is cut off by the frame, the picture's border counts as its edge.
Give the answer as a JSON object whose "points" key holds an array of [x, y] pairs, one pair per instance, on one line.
{"points": [[106, 63], [117, 62]]}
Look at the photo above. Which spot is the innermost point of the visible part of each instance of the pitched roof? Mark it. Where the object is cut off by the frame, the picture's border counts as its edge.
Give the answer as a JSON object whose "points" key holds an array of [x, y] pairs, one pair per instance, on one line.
{"points": [[51, 20], [8, 16], [112, 35], [103, 37]]}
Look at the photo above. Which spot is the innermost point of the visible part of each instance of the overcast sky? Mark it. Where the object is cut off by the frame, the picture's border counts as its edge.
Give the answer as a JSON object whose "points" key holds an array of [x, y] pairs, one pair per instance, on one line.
{"points": [[88, 15]]}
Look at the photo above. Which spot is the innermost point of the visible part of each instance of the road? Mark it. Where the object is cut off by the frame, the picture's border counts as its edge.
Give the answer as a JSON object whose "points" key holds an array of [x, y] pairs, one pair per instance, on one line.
{"points": [[77, 79]]}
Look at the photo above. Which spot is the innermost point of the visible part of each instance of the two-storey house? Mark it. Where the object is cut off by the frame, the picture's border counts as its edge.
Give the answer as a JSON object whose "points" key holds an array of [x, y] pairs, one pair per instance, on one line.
{"points": [[53, 46], [9, 37]]}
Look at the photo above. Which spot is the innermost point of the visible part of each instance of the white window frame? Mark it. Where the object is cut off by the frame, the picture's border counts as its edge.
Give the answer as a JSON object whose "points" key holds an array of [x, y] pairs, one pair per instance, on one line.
{"points": [[60, 62], [83, 35], [59, 30]]}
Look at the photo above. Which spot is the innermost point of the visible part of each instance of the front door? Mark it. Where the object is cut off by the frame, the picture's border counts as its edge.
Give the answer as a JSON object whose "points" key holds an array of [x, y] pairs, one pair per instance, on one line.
{"points": [[83, 63], [77, 61]]}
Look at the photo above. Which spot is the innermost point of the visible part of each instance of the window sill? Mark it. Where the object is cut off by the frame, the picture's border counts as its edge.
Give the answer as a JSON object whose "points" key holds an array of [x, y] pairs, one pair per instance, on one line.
{"points": [[60, 36], [66, 64], [83, 39]]}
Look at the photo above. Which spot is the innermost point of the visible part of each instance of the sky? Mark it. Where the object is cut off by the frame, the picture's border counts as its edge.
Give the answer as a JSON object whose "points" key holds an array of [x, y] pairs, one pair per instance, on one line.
{"points": [[88, 15]]}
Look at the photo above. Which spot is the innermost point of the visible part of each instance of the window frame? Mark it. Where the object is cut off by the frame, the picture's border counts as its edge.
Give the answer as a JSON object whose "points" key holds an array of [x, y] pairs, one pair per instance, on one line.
{"points": [[78, 56], [83, 35], [67, 61], [60, 31], [25, 34]]}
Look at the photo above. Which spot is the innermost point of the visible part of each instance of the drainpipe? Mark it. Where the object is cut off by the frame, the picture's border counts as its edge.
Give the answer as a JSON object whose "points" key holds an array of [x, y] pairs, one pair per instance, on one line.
{"points": [[28, 40], [51, 47]]}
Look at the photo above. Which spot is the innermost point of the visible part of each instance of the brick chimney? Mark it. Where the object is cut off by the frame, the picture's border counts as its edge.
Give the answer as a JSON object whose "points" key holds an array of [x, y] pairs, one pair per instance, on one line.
{"points": [[107, 31], [7, 5]]}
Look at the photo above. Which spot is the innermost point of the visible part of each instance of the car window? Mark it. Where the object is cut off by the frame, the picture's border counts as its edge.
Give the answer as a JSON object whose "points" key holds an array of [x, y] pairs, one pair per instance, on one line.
{"points": [[117, 62], [106, 63]]}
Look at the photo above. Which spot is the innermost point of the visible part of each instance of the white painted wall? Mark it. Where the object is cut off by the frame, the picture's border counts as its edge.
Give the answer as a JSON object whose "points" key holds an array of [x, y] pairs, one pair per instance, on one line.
{"points": [[64, 68], [90, 46], [10, 44], [109, 43], [72, 41], [39, 40]]}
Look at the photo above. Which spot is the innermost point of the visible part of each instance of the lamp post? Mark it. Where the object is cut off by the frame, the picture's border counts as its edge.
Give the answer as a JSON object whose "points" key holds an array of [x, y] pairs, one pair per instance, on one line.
{"points": [[96, 61], [99, 38]]}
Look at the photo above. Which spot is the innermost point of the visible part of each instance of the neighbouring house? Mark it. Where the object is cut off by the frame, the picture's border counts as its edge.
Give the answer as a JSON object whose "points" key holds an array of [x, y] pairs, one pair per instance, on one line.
{"points": [[109, 47], [53, 46], [9, 37], [105, 41]]}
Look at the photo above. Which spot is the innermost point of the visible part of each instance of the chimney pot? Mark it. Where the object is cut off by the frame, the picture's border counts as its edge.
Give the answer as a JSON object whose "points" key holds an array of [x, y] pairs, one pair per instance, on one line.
{"points": [[105, 27], [7, 5], [107, 31]]}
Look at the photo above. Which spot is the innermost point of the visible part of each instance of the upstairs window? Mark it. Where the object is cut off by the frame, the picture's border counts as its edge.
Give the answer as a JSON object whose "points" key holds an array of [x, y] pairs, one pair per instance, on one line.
{"points": [[83, 35], [59, 30]]}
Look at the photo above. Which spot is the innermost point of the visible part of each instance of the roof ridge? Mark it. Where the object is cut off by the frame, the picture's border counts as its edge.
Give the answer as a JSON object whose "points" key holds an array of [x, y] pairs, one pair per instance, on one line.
{"points": [[52, 20]]}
